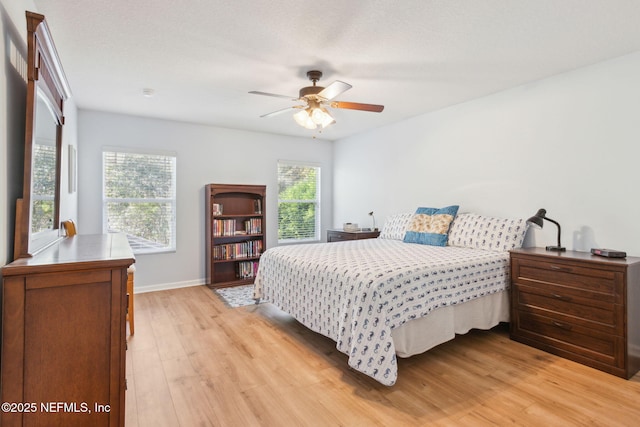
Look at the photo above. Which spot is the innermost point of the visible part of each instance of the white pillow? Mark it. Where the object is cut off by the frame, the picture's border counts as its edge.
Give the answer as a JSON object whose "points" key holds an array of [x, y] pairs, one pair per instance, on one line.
{"points": [[395, 226], [483, 232]]}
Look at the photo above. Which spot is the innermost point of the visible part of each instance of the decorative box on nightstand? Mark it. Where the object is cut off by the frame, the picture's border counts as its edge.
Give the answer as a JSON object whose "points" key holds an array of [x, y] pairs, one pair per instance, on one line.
{"points": [[579, 306], [341, 235]]}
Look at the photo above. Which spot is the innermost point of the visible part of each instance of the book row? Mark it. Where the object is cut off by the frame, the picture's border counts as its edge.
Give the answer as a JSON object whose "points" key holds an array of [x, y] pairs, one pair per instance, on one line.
{"points": [[227, 227], [247, 269], [253, 226], [248, 249]]}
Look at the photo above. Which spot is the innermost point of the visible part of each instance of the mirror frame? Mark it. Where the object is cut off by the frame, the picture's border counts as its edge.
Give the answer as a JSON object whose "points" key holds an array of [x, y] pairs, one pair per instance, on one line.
{"points": [[45, 75]]}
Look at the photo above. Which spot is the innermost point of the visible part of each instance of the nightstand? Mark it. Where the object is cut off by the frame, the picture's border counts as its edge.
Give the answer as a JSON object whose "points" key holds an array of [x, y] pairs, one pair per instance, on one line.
{"points": [[341, 235], [578, 306]]}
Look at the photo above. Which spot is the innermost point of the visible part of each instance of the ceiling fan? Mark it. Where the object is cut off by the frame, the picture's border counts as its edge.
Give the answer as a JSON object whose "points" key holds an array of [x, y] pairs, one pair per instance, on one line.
{"points": [[313, 112]]}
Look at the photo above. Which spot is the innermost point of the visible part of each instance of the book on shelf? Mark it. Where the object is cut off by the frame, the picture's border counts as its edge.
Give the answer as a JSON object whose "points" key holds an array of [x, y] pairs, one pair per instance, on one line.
{"points": [[224, 227], [257, 206], [240, 250], [253, 226], [247, 269], [227, 227]]}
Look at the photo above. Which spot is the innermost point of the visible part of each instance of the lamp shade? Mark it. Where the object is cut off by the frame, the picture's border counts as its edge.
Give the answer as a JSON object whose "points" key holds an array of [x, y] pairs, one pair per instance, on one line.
{"points": [[317, 115], [327, 119], [303, 118], [537, 221]]}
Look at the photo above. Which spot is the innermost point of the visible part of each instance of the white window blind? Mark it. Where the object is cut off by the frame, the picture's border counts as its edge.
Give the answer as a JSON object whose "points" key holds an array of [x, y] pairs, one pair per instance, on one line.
{"points": [[298, 202], [139, 198]]}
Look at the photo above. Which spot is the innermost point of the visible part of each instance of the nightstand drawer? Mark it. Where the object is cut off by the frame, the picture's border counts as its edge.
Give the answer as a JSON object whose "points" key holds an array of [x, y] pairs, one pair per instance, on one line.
{"points": [[564, 307], [566, 338], [338, 236], [341, 236], [579, 280]]}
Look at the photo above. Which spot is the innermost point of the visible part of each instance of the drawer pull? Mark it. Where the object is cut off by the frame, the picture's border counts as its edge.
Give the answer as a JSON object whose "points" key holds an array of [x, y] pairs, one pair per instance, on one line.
{"points": [[561, 297], [559, 268], [562, 325]]}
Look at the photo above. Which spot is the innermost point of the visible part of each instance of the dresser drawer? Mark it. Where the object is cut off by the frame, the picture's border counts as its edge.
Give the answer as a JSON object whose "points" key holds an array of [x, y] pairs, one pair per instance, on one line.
{"points": [[338, 236], [568, 339], [341, 236], [555, 302], [577, 280]]}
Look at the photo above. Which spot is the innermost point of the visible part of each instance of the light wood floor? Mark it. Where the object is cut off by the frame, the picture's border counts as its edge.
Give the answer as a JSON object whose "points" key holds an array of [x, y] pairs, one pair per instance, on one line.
{"points": [[195, 362]]}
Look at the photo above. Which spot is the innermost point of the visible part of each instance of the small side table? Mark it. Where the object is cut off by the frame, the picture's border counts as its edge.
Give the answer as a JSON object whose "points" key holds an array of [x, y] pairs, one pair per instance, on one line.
{"points": [[341, 235]]}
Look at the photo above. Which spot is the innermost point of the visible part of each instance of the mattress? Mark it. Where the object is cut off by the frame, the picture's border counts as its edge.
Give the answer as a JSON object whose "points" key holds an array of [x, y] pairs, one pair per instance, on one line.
{"points": [[358, 292]]}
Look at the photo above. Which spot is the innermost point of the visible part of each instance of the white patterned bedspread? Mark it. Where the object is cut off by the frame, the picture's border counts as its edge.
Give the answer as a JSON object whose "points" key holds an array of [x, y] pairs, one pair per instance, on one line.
{"points": [[355, 292]]}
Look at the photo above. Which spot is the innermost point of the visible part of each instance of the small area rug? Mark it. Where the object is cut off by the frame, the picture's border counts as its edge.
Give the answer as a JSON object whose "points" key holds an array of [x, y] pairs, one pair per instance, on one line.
{"points": [[237, 296]]}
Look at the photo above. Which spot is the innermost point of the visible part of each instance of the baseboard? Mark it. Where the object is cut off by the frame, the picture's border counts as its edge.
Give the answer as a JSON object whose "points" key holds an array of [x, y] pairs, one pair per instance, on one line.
{"points": [[167, 286]]}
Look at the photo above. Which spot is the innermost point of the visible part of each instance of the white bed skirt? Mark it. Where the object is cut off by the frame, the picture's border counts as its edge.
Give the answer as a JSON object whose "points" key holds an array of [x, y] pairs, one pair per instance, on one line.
{"points": [[419, 335]]}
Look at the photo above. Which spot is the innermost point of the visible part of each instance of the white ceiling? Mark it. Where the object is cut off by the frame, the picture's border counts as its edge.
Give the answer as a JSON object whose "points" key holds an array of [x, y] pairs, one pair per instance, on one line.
{"points": [[202, 57]]}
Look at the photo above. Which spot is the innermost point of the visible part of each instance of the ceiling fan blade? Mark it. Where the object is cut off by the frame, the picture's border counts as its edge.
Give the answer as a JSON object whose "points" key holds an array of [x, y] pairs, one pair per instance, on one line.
{"points": [[334, 89], [357, 106], [284, 110], [255, 92]]}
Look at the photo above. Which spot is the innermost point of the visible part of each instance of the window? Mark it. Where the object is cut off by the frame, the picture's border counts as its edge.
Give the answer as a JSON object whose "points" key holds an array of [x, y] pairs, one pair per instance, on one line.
{"points": [[43, 185], [298, 202], [139, 198]]}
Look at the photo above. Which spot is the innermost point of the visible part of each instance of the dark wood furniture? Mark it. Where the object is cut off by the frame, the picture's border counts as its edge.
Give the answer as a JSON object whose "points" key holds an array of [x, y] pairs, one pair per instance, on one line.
{"points": [[341, 235], [63, 333], [579, 306], [235, 233]]}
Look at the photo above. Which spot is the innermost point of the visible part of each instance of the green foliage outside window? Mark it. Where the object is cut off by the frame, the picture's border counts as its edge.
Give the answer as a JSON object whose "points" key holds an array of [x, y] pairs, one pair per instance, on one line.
{"points": [[297, 202], [146, 224], [44, 187], [140, 198]]}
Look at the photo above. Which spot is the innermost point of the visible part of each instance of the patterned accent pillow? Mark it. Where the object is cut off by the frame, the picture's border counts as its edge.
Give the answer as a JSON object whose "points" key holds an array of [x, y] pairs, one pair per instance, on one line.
{"points": [[483, 232], [429, 226], [395, 226]]}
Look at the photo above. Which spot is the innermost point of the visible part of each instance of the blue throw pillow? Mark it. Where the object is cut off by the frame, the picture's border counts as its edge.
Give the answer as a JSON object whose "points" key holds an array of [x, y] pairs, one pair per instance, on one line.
{"points": [[430, 226]]}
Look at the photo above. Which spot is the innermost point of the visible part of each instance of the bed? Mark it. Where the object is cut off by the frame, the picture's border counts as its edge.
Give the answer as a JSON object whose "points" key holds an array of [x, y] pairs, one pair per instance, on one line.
{"points": [[384, 298]]}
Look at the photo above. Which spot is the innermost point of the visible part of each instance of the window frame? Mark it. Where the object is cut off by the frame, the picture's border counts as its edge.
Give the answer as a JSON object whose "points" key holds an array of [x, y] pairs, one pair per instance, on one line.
{"points": [[317, 201], [171, 201]]}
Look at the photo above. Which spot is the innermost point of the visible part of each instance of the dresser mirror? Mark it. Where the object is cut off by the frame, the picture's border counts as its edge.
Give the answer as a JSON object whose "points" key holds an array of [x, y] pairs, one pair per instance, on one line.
{"points": [[38, 212]]}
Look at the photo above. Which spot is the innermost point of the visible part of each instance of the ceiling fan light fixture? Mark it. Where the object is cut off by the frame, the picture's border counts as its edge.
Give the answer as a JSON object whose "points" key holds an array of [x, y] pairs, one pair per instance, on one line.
{"points": [[327, 119], [303, 118], [316, 115], [321, 116], [315, 97], [328, 122]]}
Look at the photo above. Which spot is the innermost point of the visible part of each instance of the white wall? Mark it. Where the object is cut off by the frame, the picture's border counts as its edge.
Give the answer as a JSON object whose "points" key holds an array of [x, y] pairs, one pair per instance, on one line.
{"points": [[68, 199], [570, 144], [204, 155]]}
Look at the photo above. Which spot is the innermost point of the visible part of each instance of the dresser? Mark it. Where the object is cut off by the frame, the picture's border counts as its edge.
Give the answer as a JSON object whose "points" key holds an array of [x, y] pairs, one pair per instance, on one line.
{"points": [[63, 334], [579, 306], [341, 235]]}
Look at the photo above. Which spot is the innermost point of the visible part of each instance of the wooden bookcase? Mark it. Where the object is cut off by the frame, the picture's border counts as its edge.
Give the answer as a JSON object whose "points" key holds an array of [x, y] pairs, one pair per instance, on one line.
{"points": [[235, 229]]}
